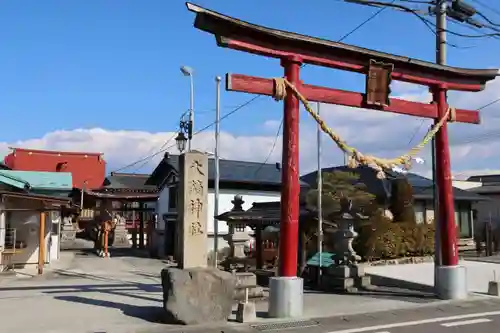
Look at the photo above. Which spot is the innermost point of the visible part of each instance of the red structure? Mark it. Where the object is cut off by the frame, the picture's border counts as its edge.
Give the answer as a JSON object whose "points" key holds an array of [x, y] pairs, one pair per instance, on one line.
{"points": [[295, 50], [86, 168]]}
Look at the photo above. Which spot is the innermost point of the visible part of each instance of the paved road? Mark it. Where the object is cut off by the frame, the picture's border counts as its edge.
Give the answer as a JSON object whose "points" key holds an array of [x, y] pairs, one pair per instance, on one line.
{"points": [[478, 316]]}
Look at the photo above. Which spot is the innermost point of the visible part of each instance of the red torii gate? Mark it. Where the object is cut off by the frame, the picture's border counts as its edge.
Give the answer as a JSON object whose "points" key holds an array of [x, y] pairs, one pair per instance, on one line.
{"points": [[294, 50]]}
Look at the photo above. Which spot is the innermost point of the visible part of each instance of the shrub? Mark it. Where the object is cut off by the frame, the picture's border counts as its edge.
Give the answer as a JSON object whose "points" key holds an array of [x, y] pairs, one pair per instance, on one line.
{"points": [[381, 238], [402, 201]]}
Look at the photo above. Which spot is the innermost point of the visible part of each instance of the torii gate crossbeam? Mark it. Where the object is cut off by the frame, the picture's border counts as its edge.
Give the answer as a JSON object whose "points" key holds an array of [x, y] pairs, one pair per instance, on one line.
{"points": [[294, 50]]}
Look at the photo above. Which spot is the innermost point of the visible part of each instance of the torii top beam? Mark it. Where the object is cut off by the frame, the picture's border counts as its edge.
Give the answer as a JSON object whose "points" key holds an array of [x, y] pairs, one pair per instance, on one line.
{"points": [[240, 35]]}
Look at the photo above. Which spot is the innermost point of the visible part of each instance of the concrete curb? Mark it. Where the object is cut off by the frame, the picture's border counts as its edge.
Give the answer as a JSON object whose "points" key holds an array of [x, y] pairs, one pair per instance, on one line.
{"points": [[320, 324], [379, 280]]}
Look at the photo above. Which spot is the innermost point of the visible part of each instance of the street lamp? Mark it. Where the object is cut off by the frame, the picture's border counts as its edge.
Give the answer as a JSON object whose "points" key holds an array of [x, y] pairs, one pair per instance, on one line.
{"points": [[181, 141], [188, 71]]}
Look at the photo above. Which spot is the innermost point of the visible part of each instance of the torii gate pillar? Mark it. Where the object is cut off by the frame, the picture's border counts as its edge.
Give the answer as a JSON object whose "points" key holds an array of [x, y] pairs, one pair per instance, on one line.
{"points": [[286, 290], [451, 278]]}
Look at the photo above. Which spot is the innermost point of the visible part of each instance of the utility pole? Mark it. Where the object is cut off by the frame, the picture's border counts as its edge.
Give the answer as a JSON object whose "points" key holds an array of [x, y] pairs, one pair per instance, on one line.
{"points": [[441, 8], [320, 203], [217, 173]]}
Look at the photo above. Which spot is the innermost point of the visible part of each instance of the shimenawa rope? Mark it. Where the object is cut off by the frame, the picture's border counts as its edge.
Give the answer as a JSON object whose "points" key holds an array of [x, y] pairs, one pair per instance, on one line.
{"points": [[357, 158]]}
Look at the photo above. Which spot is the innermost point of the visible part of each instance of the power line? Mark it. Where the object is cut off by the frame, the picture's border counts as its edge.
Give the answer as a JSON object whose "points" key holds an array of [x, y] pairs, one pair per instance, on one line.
{"points": [[429, 24], [272, 148], [251, 100], [148, 156], [423, 19], [496, 11], [144, 159], [489, 104], [162, 150], [163, 146], [359, 26], [417, 129]]}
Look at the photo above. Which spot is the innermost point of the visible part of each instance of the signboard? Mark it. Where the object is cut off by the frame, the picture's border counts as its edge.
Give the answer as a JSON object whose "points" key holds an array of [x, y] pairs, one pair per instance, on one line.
{"points": [[378, 82]]}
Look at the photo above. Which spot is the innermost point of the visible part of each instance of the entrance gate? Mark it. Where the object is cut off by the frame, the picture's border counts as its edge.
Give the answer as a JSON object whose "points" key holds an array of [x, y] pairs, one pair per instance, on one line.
{"points": [[295, 50]]}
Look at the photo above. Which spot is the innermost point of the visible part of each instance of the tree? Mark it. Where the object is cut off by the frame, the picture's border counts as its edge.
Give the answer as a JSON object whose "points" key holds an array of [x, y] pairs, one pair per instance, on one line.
{"points": [[338, 185], [401, 204]]}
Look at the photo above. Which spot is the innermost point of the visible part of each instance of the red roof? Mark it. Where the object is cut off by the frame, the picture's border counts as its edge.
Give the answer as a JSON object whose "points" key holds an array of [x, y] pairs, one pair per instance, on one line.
{"points": [[88, 168]]}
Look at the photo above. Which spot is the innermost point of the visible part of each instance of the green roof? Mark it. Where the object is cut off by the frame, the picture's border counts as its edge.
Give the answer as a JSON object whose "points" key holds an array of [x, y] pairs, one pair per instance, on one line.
{"points": [[37, 180]]}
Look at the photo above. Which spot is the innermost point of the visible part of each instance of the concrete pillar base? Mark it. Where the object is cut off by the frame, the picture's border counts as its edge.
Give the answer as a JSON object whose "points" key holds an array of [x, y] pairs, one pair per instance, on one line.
{"points": [[451, 282], [286, 297]]}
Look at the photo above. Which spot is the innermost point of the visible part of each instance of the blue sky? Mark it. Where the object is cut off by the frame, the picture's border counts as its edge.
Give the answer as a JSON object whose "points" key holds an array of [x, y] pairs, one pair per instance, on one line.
{"points": [[115, 64]]}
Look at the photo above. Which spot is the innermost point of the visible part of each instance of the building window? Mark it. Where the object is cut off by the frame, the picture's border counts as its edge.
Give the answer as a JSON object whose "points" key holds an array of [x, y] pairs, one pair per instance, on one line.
{"points": [[87, 214], [419, 208], [172, 198], [463, 219]]}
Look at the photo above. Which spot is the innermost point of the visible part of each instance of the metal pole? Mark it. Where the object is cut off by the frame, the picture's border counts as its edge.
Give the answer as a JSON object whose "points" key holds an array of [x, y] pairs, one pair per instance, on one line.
{"points": [[81, 197], [320, 203], [191, 111], [217, 174]]}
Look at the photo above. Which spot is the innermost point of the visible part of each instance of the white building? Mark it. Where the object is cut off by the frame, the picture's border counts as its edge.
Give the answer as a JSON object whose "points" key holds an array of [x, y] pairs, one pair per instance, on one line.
{"points": [[256, 182]]}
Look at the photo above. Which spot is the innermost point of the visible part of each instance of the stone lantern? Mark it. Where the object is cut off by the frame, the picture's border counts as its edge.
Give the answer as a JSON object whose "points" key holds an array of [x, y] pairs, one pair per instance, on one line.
{"points": [[346, 273], [238, 237]]}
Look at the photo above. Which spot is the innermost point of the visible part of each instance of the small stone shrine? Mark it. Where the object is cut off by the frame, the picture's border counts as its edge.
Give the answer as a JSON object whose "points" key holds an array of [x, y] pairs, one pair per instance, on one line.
{"points": [[120, 233], [346, 274]]}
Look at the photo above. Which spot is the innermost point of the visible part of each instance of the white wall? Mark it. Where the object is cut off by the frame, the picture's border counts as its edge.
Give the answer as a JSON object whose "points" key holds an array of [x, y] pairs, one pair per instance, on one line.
{"points": [[27, 226], [55, 246], [465, 185], [162, 207], [225, 198]]}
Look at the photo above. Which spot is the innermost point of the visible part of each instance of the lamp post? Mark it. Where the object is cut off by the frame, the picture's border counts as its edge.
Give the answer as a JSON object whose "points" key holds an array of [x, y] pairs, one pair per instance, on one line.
{"points": [[217, 173], [181, 141], [188, 71]]}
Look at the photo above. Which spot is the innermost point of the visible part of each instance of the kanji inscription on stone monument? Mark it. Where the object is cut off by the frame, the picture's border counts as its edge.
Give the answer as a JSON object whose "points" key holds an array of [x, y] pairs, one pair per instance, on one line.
{"points": [[196, 187], [193, 209], [196, 208], [198, 166]]}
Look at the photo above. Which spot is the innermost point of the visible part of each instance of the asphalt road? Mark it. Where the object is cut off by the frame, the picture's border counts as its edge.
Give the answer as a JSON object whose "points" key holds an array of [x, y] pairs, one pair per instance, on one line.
{"points": [[480, 315]]}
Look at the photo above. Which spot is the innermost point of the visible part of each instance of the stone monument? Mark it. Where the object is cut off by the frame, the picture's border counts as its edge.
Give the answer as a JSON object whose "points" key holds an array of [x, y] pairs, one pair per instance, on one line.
{"points": [[191, 245], [194, 293], [68, 232], [120, 233]]}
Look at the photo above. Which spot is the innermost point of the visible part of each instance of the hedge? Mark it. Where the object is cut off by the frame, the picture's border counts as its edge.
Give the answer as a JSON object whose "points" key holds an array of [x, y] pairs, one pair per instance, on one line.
{"points": [[380, 238]]}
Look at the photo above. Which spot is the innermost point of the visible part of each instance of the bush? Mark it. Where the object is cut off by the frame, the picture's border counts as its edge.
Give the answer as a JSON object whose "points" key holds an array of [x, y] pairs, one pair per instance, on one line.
{"points": [[402, 201], [383, 239]]}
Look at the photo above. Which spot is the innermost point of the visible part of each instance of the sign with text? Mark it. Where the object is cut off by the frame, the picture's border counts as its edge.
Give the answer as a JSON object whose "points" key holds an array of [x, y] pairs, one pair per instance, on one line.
{"points": [[378, 81]]}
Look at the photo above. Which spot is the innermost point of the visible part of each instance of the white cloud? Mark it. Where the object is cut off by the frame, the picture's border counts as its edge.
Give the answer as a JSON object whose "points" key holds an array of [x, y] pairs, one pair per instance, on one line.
{"points": [[272, 124], [473, 147]]}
